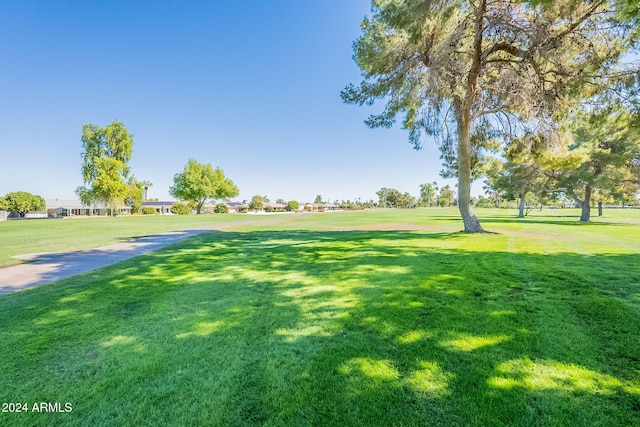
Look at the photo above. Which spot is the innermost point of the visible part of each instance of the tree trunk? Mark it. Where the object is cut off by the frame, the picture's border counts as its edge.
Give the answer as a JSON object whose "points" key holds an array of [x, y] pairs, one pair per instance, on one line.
{"points": [[578, 201], [471, 223], [599, 208], [586, 205], [462, 108], [521, 207]]}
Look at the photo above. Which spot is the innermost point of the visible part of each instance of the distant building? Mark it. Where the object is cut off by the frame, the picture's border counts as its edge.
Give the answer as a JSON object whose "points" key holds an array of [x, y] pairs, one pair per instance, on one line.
{"points": [[67, 208], [322, 207], [275, 206], [162, 208], [237, 207]]}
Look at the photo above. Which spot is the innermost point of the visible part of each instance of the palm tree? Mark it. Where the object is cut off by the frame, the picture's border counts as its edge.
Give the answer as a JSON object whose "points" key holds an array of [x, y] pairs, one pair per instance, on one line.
{"points": [[146, 185]]}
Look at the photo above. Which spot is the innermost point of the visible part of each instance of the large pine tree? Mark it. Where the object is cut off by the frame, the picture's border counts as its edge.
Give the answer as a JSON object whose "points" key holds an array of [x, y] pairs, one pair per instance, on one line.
{"points": [[469, 71]]}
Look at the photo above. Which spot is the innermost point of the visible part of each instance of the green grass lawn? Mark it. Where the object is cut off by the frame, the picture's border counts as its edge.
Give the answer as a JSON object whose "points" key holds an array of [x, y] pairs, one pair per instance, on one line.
{"points": [[58, 235], [372, 318]]}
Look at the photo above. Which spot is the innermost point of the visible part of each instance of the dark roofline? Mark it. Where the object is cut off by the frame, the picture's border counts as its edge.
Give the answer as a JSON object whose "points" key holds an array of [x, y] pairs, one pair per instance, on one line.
{"points": [[158, 203]]}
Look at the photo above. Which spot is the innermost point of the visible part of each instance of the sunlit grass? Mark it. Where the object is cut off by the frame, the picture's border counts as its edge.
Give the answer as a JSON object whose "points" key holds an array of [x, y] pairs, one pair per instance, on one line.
{"points": [[552, 375], [366, 318], [59, 235]]}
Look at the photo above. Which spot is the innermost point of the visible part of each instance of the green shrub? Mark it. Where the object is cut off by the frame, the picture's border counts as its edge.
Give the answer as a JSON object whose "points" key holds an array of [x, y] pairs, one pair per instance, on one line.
{"points": [[292, 206], [180, 209], [268, 209], [221, 208], [136, 208], [149, 211]]}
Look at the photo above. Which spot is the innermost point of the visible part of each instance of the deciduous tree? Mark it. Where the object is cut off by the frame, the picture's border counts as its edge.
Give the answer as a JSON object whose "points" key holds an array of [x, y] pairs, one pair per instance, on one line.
{"points": [[199, 182], [257, 203], [221, 208], [182, 208], [428, 193], [105, 169], [135, 194], [22, 202], [405, 200], [447, 197], [392, 198], [292, 205]]}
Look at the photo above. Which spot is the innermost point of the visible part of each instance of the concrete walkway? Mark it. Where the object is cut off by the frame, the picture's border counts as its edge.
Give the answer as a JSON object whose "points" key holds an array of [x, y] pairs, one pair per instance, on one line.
{"points": [[51, 267]]}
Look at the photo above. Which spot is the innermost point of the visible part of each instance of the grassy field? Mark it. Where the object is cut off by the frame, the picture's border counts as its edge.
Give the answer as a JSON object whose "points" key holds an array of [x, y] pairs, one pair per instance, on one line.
{"points": [[372, 318], [48, 235]]}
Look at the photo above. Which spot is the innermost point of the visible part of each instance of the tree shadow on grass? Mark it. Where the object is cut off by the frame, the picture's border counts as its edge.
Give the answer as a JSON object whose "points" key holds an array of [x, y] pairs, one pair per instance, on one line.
{"points": [[339, 328]]}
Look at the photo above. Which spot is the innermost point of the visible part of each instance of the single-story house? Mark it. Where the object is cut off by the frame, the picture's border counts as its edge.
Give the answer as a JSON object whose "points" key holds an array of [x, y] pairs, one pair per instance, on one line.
{"points": [[237, 207], [162, 208], [65, 208], [275, 206], [321, 207]]}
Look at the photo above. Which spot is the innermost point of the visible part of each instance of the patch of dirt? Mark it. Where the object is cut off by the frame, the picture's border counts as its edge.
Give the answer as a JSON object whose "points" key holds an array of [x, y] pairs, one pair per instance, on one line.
{"points": [[391, 227]]}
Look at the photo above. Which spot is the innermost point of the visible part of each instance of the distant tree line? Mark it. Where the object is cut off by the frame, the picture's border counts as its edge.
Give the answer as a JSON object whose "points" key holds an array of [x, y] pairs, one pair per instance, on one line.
{"points": [[430, 196], [601, 166]]}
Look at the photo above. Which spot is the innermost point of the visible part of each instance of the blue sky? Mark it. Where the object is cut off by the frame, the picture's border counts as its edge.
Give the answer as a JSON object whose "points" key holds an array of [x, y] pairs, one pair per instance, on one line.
{"points": [[249, 86]]}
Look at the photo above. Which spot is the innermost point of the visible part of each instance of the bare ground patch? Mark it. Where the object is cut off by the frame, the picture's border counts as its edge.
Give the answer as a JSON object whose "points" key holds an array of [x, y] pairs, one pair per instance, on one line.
{"points": [[393, 227]]}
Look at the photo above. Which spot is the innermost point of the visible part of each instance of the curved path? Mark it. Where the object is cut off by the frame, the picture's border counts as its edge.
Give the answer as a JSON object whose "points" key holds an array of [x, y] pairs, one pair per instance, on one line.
{"points": [[51, 267]]}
